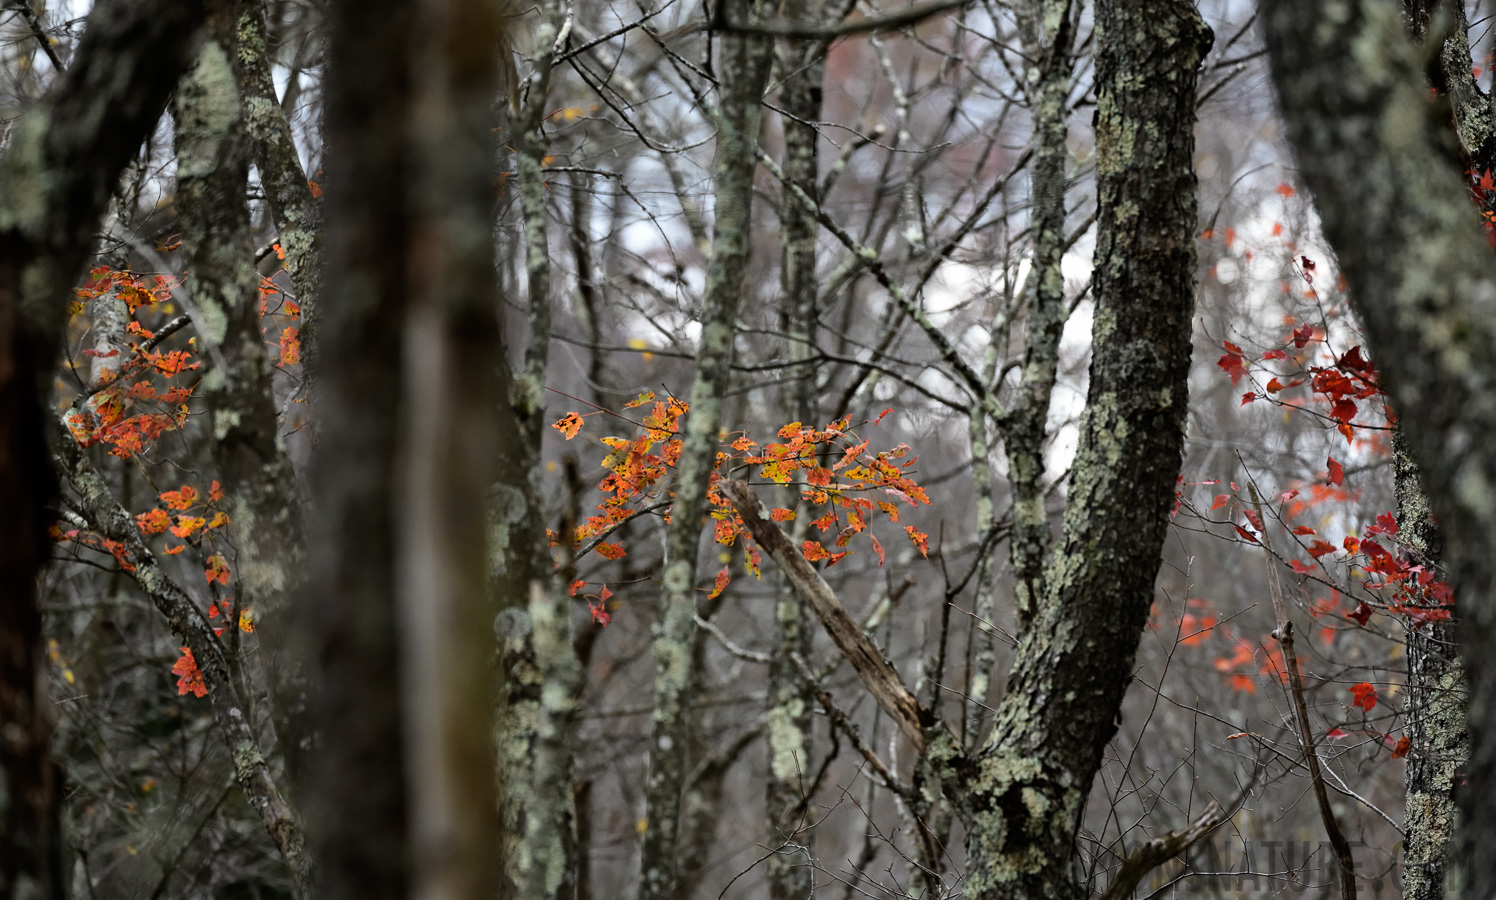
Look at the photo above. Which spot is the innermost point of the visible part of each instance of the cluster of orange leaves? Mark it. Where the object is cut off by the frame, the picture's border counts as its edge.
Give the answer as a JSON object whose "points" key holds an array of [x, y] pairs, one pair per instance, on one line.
{"points": [[836, 470], [133, 405]]}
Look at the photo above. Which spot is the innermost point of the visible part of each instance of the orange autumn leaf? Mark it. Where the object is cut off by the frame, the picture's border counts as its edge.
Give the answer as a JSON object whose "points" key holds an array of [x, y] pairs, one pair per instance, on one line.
{"points": [[782, 515], [569, 425], [217, 569], [611, 551]]}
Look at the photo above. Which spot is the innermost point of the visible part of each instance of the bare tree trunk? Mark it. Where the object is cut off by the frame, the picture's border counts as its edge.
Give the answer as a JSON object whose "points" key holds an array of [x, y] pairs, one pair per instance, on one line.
{"points": [[742, 72], [1375, 152], [790, 702], [1025, 795], [1437, 698], [356, 790], [55, 182], [260, 490]]}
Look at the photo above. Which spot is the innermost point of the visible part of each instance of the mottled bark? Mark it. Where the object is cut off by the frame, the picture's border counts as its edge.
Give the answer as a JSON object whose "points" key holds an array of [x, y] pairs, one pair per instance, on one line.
{"points": [[1435, 707], [1372, 148], [789, 701], [297, 214], [1044, 26], [743, 67], [55, 181], [1023, 798], [260, 491], [356, 792], [539, 775]]}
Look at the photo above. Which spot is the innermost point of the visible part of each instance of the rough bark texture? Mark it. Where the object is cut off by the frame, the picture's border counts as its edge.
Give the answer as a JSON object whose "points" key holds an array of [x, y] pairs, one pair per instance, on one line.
{"points": [[1374, 150], [260, 490], [1024, 796], [789, 703], [1437, 697], [55, 182], [297, 214], [356, 795], [1045, 28], [743, 68]]}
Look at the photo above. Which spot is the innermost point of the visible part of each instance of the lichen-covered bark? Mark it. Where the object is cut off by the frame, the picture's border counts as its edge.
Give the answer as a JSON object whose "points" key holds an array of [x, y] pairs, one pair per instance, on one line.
{"points": [[1435, 705], [356, 792], [297, 214], [55, 181], [743, 66], [1023, 797], [260, 491], [789, 702], [1372, 148], [1045, 28]]}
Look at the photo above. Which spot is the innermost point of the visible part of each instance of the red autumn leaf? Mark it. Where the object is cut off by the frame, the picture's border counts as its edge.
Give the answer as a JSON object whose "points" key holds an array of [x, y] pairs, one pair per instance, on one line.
{"points": [[1251, 515], [720, 583], [1285, 190], [569, 425], [1243, 683], [1232, 362], [611, 551], [1361, 613], [1274, 386], [575, 587], [191, 678], [1245, 533], [1403, 743], [1302, 529], [599, 614], [1365, 696], [813, 551], [1337, 473], [1486, 182], [1248, 397], [781, 515], [1275, 354], [1220, 501], [1335, 733], [882, 414], [1303, 335], [877, 548], [1321, 548], [1300, 567]]}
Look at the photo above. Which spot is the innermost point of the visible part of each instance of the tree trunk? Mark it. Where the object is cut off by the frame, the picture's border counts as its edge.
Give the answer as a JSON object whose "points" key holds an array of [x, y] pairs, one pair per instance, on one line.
{"points": [[743, 71], [1025, 794], [1374, 150], [55, 182]]}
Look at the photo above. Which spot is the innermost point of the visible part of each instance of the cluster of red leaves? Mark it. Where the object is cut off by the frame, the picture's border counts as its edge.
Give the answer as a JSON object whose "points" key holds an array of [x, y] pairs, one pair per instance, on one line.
{"points": [[1345, 380], [191, 677], [836, 469]]}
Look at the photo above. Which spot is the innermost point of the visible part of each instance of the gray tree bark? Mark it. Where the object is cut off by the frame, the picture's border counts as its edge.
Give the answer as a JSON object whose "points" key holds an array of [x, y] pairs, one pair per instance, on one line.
{"points": [[743, 68], [1375, 151], [1024, 794], [55, 182]]}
